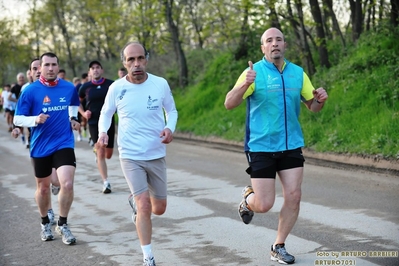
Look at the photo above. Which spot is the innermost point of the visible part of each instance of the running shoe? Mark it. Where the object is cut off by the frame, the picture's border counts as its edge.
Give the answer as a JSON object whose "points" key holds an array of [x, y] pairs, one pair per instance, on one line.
{"points": [[149, 262], [66, 234], [55, 190], [279, 254], [50, 214], [132, 204], [79, 137], [244, 211], [106, 187], [46, 234]]}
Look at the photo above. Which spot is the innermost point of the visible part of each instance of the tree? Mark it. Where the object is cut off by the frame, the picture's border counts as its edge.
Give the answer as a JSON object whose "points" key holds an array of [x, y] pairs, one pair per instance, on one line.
{"points": [[303, 40], [356, 18], [395, 13], [321, 43], [273, 13], [174, 31], [192, 7], [59, 8], [242, 49], [336, 30], [15, 52]]}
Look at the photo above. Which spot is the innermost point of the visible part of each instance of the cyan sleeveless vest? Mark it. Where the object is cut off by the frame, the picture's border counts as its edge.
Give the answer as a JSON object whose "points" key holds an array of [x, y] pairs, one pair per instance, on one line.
{"points": [[273, 109]]}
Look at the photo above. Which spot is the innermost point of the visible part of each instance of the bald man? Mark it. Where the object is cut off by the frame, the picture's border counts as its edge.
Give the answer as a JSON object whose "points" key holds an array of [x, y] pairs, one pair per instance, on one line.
{"points": [[274, 88]]}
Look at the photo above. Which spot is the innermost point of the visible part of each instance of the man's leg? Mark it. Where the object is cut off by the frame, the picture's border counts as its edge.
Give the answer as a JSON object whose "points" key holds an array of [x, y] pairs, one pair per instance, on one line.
{"points": [[55, 188], [43, 200], [42, 195], [101, 163], [143, 220], [291, 180], [262, 200], [146, 203], [66, 174], [55, 182], [100, 158], [65, 198]]}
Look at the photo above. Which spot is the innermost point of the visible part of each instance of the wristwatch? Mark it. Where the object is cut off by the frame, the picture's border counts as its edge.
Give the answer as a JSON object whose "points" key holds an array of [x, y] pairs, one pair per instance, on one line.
{"points": [[73, 118]]}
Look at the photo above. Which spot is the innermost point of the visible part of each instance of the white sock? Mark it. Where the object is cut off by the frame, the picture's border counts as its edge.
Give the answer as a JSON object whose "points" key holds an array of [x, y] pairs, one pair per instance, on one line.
{"points": [[250, 195], [147, 253]]}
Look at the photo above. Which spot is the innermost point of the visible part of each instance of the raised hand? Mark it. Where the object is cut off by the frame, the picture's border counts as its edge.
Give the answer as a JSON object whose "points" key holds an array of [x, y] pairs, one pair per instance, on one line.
{"points": [[251, 74]]}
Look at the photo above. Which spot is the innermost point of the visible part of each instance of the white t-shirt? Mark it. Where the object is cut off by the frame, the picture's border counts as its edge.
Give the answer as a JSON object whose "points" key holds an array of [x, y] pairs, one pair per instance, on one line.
{"points": [[144, 110], [6, 103]]}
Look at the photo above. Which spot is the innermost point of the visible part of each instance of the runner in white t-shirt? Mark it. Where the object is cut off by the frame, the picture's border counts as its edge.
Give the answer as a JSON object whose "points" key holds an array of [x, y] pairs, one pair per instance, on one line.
{"points": [[147, 119], [9, 106]]}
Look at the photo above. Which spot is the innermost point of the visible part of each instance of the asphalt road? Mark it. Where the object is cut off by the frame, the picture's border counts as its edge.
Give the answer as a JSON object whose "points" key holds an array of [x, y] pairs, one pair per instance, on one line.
{"points": [[346, 214]]}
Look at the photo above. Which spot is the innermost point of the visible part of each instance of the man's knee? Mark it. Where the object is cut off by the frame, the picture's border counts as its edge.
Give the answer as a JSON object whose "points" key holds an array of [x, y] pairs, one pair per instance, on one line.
{"points": [[158, 206], [67, 186], [264, 206], [43, 189], [293, 198]]}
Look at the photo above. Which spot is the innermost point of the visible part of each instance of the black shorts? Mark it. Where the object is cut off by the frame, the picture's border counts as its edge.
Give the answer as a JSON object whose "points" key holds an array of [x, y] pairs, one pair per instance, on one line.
{"points": [[79, 117], [12, 112], [93, 129], [43, 166], [267, 164]]}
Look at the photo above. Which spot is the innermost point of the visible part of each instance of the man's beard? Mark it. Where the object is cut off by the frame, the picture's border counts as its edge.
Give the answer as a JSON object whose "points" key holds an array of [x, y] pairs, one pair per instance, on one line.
{"points": [[276, 56]]}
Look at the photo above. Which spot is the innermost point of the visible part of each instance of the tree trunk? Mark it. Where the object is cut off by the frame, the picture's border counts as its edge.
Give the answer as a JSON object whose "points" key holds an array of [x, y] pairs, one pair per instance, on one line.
{"points": [[321, 44], [174, 30], [356, 18], [274, 22], [307, 53], [193, 9], [336, 28], [59, 12], [368, 15], [294, 25], [395, 13], [242, 49]]}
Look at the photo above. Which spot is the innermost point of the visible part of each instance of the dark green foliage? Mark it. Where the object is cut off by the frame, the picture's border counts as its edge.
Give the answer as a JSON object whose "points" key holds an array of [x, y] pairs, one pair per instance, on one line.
{"points": [[201, 109], [362, 113]]}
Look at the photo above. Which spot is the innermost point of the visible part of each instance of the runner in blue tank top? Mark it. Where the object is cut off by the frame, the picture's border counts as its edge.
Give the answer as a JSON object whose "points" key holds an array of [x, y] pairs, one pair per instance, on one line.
{"points": [[50, 106], [273, 89]]}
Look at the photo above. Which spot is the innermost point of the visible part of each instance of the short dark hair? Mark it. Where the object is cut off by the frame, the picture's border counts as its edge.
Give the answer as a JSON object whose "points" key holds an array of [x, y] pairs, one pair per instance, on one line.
{"points": [[62, 71], [33, 60], [7, 85], [49, 54], [84, 75], [122, 69]]}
